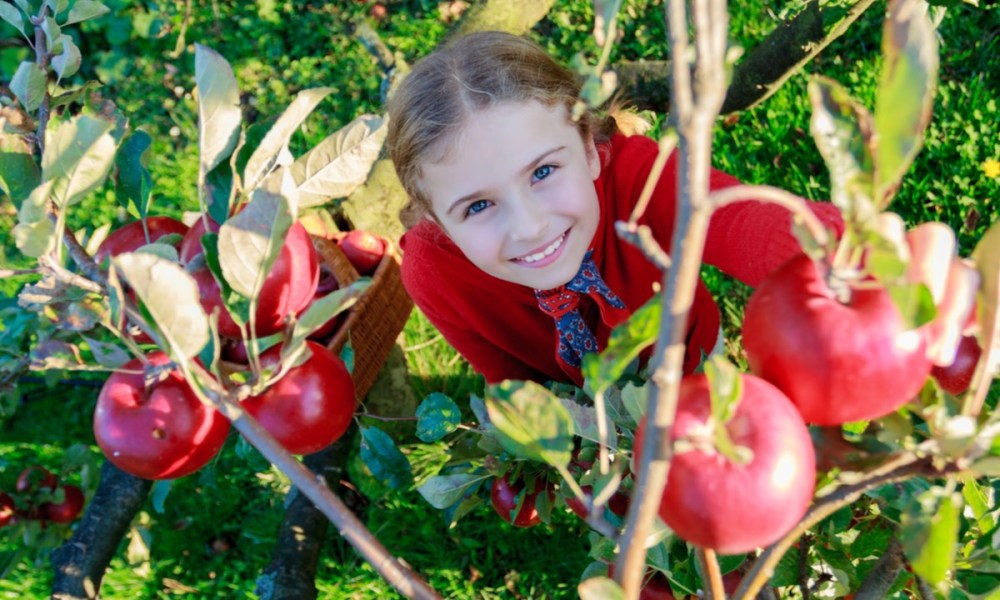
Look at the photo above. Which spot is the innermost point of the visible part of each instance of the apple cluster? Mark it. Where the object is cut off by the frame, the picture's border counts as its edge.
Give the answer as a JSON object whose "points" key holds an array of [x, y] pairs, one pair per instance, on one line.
{"points": [[39, 496], [149, 421]]}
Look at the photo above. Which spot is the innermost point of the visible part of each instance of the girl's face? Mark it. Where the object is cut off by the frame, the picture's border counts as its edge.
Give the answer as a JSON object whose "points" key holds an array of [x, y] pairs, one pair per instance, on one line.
{"points": [[515, 192]]}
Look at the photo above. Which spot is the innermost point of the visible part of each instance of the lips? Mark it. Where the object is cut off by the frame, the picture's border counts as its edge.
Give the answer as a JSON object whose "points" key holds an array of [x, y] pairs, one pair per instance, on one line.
{"points": [[539, 255]]}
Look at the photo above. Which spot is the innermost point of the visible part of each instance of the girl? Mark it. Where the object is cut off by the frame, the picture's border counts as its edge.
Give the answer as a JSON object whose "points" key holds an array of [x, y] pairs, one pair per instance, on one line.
{"points": [[511, 250]]}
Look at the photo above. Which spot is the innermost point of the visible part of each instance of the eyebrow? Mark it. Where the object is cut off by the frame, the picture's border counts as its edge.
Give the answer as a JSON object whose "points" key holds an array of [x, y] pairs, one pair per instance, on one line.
{"points": [[531, 166]]}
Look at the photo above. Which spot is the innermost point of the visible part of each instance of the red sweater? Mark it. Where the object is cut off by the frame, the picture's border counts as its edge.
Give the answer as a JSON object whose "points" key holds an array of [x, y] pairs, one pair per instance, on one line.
{"points": [[497, 325]]}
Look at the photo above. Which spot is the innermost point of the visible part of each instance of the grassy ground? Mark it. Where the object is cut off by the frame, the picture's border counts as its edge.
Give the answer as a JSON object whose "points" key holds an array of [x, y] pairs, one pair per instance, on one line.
{"points": [[214, 531]]}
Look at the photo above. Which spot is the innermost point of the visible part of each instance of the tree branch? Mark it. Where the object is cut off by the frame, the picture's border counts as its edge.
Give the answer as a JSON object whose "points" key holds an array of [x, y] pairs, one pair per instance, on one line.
{"points": [[876, 585], [696, 104], [291, 574], [902, 468], [788, 48], [81, 561]]}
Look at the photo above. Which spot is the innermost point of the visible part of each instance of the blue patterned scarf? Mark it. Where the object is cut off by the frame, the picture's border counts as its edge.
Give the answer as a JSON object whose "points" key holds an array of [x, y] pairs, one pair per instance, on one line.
{"points": [[563, 305]]}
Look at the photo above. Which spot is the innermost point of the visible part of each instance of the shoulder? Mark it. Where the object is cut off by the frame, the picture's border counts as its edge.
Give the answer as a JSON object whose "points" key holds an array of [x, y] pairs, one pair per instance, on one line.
{"points": [[621, 151], [426, 248]]}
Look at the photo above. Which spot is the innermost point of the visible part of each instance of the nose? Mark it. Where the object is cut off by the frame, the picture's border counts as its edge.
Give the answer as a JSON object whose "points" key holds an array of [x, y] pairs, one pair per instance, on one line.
{"points": [[527, 219]]}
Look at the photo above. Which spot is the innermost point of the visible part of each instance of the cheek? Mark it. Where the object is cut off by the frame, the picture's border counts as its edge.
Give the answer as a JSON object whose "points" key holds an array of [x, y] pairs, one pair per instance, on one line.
{"points": [[480, 244]]}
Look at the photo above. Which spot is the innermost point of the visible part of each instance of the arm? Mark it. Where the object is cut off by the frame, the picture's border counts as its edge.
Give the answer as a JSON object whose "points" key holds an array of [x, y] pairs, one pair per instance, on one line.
{"points": [[469, 308], [746, 240], [750, 239]]}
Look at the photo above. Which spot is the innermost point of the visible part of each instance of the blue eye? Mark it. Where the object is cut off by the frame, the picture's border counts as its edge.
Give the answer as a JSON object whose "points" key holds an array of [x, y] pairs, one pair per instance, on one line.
{"points": [[542, 172], [476, 207]]}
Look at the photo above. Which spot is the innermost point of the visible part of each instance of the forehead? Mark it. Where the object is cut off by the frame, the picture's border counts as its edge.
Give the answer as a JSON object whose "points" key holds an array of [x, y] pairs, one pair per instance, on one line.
{"points": [[494, 143]]}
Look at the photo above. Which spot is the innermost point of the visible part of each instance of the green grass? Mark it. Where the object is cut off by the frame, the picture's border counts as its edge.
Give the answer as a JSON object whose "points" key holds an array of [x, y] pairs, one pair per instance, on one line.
{"points": [[278, 48]]}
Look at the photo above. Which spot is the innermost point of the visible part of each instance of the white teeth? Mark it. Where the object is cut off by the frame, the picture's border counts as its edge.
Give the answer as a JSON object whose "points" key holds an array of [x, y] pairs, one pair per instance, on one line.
{"points": [[548, 251]]}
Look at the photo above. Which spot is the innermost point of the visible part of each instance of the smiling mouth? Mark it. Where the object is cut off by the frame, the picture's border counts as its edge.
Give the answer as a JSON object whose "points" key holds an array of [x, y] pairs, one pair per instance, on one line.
{"points": [[544, 252]]}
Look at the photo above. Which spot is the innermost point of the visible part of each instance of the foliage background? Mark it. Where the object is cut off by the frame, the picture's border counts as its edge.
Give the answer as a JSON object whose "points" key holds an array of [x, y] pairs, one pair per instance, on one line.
{"points": [[210, 534]]}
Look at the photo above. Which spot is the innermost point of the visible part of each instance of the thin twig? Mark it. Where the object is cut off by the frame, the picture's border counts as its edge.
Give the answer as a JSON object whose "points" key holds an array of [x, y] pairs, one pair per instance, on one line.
{"points": [[904, 467], [711, 574], [773, 195], [42, 59], [804, 542]]}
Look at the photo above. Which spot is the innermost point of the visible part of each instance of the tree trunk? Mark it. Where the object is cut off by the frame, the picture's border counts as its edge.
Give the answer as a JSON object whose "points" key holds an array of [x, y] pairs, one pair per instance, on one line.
{"points": [[80, 563], [291, 574]]}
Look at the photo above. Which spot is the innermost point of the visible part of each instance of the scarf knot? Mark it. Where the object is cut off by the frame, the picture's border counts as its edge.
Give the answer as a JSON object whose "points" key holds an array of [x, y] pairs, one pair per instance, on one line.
{"points": [[563, 305]]}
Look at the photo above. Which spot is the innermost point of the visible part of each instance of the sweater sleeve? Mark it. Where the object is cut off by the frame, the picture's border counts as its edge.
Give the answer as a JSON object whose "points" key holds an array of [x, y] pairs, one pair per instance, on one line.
{"points": [[750, 239], [453, 305], [746, 240]]}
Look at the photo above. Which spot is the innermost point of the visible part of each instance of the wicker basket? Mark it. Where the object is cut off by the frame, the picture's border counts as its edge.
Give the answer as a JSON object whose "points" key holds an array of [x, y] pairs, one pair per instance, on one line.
{"points": [[373, 323]]}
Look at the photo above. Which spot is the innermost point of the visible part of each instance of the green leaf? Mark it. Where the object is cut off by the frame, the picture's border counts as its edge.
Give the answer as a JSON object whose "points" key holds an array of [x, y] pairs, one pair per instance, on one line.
{"points": [[842, 130], [134, 181], [67, 62], [77, 94], [9, 13], [635, 398], [265, 156], [323, 309], [53, 35], [930, 533], [26, 6], [84, 10], [627, 340], [219, 115], [339, 164], [914, 303], [28, 85], [78, 155], [250, 242], [585, 422], [980, 503], [986, 256], [383, 458], [905, 94], [107, 354], [19, 173], [170, 296], [531, 422], [57, 6], [437, 416], [160, 491], [725, 388], [35, 234], [600, 588], [442, 491]]}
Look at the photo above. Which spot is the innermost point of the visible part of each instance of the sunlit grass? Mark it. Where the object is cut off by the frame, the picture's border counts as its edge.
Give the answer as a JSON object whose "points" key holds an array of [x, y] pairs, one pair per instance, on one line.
{"points": [[481, 557]]}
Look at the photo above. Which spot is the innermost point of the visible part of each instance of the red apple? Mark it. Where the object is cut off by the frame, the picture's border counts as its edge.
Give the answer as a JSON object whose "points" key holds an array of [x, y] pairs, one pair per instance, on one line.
{"points": [[68, 510], [363, 249], [162, 431], [836, 361], [7, 509], [311, 406], [131, 236], [288, 288], [727, 506], [514, 504], [956, 377]]}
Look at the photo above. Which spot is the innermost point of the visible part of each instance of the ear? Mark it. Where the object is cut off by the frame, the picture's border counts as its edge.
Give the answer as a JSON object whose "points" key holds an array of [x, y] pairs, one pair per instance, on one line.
{"points": [[593, 157]]}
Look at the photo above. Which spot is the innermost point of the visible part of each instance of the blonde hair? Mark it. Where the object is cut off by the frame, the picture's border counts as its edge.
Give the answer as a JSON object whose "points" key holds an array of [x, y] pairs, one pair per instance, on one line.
{"points": [[471, 74]]}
